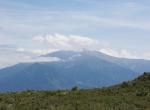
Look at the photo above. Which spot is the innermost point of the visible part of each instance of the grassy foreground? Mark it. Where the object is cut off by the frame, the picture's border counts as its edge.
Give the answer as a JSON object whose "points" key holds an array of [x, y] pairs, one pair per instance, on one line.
{"points": [[132, 95]]}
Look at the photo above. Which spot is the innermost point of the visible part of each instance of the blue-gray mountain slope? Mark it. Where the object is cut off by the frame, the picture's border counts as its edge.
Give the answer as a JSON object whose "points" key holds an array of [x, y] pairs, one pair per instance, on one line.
{"points": [[86, 69]]}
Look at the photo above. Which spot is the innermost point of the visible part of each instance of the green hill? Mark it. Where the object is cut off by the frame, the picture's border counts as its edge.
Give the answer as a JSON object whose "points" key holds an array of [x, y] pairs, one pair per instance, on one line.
{"points": [[132, 95]]}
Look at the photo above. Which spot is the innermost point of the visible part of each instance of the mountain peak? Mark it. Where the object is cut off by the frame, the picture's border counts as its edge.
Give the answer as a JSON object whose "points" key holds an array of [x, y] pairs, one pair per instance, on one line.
{"points": [[68, 54], [63, 54]]}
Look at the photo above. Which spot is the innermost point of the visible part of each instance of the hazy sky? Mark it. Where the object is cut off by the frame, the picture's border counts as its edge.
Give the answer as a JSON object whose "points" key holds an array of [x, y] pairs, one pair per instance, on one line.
{"points": [[29, 28]]}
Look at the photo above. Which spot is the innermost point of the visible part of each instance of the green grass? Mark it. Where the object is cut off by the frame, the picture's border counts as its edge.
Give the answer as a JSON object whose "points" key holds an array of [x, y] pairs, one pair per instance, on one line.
{"points": [[132, 95]]}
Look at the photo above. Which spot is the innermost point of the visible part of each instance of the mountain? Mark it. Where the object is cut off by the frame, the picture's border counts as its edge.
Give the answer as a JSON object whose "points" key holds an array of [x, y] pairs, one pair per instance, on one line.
{"points": [[131, 95], [62, 54], [137, 65], [86, 69]]}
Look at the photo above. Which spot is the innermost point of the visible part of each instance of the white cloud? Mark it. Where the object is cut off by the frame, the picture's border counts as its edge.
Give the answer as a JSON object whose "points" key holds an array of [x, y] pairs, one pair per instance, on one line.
{"points": [[77, 43], [20, 50], [35, 51], [123, 53], [146, 55], [39, 59], [70, 42], [9, 58], [39, 39]]}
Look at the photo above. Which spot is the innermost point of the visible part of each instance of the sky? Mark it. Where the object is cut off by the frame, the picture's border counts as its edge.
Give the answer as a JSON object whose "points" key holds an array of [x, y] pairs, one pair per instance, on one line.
{"points": [[30, 28]]}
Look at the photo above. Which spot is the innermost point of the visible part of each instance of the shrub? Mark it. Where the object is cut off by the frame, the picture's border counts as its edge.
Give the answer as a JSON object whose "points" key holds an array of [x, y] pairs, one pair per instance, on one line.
{"points": [[124, 84], [75, 88], [3, 107], [142, 93]]}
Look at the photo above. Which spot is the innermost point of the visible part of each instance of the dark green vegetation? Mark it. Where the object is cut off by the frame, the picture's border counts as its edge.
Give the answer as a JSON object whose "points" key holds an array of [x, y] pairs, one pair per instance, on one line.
{"points": [[132, 95]]}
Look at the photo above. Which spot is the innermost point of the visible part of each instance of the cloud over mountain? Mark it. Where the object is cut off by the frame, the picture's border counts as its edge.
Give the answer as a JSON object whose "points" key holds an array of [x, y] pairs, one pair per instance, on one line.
{"points": [[77, 43], [70, 42]]}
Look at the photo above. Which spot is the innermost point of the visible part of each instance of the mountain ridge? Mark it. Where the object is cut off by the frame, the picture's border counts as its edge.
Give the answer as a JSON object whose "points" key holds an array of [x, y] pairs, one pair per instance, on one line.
{"points": [[86, 69], [137, 65]]}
